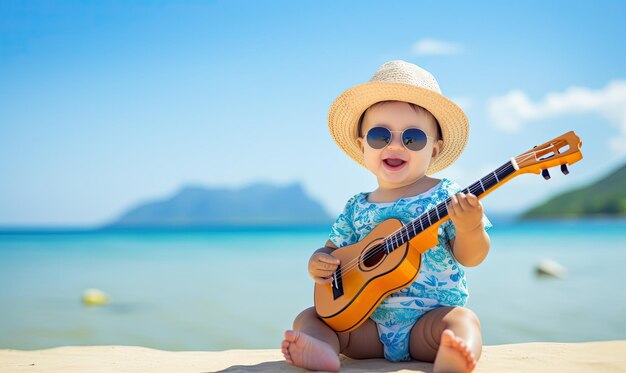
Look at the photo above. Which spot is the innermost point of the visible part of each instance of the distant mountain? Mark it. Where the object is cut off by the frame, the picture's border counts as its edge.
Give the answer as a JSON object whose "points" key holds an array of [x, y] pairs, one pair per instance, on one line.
{"points": [[606, 197], [254, 205]]}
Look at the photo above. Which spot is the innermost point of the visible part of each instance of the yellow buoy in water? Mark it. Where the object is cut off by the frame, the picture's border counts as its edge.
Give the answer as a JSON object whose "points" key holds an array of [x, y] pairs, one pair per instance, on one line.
{"points": [[95, 297]]}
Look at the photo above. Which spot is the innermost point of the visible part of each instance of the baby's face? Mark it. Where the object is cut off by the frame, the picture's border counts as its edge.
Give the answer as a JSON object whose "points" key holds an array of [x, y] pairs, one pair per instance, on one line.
{"points": [[394, 165]]}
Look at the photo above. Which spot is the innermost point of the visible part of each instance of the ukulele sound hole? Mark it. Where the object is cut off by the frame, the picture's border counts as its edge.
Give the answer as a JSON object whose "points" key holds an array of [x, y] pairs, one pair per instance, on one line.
{"points": [[373, 257]]}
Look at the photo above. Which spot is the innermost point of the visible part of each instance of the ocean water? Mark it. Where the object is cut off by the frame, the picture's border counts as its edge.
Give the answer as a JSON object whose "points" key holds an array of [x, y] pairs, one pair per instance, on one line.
{"points": [[212, 290]]}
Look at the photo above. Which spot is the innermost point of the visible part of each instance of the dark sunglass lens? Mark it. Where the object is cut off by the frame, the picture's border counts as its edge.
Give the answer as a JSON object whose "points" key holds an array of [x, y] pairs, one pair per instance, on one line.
{"points": [[378, 137], [414, 139]]}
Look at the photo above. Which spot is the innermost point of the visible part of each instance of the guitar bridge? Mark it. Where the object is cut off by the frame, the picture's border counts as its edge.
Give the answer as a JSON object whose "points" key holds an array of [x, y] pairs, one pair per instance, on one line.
{"points": [[337, 283]]}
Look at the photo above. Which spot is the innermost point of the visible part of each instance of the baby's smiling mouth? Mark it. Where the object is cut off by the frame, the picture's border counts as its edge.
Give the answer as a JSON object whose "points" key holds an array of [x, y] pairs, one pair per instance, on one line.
{"points": [[394, 163]]}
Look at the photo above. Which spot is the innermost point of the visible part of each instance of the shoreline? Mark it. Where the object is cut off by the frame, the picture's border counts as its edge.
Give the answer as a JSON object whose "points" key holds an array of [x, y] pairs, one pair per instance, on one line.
{"points": [[605, 356]]}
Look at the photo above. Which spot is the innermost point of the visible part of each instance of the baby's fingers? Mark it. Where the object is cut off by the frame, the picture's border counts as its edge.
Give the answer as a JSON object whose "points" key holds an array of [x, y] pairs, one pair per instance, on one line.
{"points": [[326, 258], [472, 200], [474, 203], [453, 205], [463, 201], [322, 266], [327, 262]]}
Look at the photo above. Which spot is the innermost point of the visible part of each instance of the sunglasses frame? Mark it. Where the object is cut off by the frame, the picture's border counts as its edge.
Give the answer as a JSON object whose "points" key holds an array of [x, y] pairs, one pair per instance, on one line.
{"points": [[402, 137]]}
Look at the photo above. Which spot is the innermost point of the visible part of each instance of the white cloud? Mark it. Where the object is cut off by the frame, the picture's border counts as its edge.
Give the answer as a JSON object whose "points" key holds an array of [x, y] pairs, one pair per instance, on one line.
{"points": [[433, 47], [513, 110]]}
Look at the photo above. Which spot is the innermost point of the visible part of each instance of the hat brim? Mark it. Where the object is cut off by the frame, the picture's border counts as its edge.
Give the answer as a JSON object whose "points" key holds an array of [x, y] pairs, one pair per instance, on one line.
{"points": [[346, 110]]}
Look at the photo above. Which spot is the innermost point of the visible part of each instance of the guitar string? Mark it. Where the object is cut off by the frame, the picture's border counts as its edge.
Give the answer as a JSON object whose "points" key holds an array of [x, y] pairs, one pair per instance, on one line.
{"points": [[379, 248], [474, 188], [375, 250], [489, 178], [501, 168]]}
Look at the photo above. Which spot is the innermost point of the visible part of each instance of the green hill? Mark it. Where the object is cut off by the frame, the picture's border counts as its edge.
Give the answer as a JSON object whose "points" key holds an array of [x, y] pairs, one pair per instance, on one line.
{"points": [[606, 197]]}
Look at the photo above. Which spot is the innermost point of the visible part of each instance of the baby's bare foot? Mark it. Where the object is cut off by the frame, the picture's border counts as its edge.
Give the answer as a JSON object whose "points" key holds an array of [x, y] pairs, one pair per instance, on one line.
{"points": [[453, 355], [304, 351]]}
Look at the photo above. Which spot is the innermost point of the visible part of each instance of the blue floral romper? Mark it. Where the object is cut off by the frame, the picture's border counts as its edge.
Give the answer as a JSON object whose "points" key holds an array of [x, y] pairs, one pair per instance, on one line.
{"points": [[441, 281]]}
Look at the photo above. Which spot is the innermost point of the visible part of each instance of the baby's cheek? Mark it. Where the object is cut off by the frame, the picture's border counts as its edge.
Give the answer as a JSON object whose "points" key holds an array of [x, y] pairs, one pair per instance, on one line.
{"points": [[370, 160]]}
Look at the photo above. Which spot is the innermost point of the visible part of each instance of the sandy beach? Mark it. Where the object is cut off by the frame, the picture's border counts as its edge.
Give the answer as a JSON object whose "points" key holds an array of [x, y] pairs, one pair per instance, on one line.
{"points": [[607, 356]]}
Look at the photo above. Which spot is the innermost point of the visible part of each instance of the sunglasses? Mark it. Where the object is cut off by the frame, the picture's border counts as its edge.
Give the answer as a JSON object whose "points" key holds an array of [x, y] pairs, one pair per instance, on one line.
{"points": [[413, 138]]}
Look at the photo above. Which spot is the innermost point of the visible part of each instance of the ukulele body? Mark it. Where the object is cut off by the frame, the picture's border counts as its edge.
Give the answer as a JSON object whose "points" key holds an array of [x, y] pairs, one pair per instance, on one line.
{"points": [[368, 275]]}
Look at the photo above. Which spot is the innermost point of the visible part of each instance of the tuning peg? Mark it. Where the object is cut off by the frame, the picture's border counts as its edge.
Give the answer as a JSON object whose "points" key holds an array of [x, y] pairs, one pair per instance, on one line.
{"points": [[545, 174], [564, 169]]}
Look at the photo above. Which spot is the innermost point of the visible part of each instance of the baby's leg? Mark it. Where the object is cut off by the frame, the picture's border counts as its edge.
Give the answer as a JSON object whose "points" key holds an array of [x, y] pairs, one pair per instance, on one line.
{"points": [[314, 345], [449, 337]]}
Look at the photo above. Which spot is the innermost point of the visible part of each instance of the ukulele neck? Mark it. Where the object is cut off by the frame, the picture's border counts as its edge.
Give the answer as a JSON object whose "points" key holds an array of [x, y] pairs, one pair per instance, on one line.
{"points": [[439, 213]]}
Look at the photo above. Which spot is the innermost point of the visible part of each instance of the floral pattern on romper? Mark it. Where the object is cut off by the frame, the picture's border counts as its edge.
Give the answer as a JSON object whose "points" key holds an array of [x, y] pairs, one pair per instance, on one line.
{"points": [[441, 280]]}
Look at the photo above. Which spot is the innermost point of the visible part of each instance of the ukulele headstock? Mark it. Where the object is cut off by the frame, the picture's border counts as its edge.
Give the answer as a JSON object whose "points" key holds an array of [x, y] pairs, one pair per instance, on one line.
{"points": [[561, 151]]}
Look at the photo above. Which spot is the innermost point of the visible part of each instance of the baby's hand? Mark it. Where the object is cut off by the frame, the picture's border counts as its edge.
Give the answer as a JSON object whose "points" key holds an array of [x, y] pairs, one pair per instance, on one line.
{"points": [[322, 266], [466, 212]]}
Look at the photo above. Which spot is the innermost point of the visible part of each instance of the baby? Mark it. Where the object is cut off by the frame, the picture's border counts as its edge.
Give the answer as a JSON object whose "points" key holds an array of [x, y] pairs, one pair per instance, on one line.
{"points": [[400, 127]]}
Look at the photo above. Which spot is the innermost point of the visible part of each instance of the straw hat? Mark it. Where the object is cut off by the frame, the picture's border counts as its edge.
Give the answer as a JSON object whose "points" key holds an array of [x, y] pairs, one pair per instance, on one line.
{"points": [[399, 81]]}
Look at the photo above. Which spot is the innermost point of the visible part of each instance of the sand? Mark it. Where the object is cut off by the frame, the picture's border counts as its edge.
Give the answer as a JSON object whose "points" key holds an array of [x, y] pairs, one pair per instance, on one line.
{"points": [[525, 357]]}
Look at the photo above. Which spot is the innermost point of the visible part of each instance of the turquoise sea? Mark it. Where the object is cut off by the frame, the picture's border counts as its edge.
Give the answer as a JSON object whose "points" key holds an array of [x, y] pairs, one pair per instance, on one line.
{"points": [[241, 288]]}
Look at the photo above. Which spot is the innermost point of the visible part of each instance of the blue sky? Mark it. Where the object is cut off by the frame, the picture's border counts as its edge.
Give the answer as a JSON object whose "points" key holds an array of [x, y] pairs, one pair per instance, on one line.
{"points": [[105, 104]]}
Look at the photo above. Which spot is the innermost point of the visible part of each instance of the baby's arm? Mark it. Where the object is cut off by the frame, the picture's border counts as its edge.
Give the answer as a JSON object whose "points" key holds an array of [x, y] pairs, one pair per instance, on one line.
{"points": [[322, 264], [471, 244]]}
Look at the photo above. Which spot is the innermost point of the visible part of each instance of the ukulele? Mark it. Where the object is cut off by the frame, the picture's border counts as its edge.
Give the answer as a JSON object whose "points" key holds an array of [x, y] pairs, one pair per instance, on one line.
{"points": [[389, 257]]}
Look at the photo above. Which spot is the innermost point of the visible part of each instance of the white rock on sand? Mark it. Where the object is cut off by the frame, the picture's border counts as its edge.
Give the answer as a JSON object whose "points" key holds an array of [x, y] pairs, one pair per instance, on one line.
{"points": [[551, 268], [524, 357]]}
